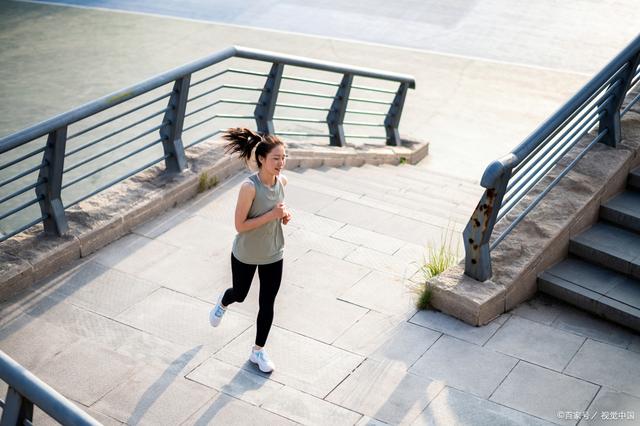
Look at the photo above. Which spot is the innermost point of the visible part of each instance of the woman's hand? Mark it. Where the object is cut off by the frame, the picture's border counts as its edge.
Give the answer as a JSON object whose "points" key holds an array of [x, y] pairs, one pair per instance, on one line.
{"points": [[279, 211], [287, 218]]}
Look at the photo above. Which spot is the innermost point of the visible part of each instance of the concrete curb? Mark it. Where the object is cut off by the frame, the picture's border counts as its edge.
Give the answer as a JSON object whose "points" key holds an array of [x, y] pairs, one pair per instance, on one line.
{"points": [[31, 255], [542, 238]]}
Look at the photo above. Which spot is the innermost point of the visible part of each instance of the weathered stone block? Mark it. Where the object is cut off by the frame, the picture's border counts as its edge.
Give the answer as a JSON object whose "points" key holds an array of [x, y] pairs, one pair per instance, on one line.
{"points": [[100, 234], [333, 162], [16, 274], [474, 302], [522, 289]]}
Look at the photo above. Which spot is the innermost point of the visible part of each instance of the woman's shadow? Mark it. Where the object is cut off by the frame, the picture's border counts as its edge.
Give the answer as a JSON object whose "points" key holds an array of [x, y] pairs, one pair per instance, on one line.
{"points": [[242, 383]]}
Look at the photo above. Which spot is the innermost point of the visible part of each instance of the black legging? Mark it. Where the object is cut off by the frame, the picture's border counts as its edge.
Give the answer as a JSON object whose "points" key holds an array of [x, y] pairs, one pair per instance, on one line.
{"points": [[270, 277]]}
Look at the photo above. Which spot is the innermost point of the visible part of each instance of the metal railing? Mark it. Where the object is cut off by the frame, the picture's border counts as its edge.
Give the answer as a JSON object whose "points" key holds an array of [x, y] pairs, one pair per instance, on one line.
{"points": [[25, 390], [595, 111], [82, 152]]}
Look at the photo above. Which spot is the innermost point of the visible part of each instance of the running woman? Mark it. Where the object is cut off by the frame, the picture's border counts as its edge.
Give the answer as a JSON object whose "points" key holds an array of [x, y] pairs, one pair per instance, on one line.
{"points": [[260, 211]]}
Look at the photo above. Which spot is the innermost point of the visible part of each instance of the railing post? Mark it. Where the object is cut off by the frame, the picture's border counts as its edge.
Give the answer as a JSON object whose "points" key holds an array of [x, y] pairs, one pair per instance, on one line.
{"points": [[392, 120], [16, 410], [611, 118], [267, 103], [477, 233], [171, 133], [49, 190], [335, 118]]}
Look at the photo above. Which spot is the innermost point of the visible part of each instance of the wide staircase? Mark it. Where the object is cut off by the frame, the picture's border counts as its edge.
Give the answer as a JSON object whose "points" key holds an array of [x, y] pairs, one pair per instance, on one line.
{"points": [[401, 190], [602, 272]]}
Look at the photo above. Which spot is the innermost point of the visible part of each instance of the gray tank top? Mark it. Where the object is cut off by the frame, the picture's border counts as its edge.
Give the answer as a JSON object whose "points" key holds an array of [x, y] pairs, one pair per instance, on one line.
{"points": [[265, 244]]}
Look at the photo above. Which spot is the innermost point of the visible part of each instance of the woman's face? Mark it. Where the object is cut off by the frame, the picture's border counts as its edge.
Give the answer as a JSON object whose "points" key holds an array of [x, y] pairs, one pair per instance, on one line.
{"points": [[275, 160]]}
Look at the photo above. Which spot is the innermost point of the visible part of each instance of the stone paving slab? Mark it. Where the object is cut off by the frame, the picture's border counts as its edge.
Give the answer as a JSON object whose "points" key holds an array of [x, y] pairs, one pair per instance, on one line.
{"points": [[608, 402], [133, 253], [29, 346], [226, 410], [303, 240], [543, 309], [453, 407], [464, 366], [608, 365], [68, 371], [544, 393], [201, 234], [387, 338], [369, 239], [179, 319], [381, 292], [536, 343], [78, 322], [384, 391], [307, 409], [453, 327], [396, 264], [234, 381], [41, 418], [100, 289], [303, 363], [154, 396], [584, 324], [191, 272], [322, 267], [325, 317]]}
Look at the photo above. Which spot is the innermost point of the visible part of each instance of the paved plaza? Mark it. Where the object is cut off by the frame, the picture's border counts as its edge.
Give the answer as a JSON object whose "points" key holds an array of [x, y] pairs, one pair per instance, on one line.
{"points": [[124, 333]]}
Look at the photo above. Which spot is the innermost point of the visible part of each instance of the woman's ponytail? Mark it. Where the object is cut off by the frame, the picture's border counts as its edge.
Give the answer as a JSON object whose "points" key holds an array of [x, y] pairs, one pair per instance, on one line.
{"points": [[243, 142]]}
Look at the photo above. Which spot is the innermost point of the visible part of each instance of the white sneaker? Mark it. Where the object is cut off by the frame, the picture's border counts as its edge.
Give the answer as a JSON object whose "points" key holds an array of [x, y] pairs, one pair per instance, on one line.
{"points": [[217, 313], [262, 360]]}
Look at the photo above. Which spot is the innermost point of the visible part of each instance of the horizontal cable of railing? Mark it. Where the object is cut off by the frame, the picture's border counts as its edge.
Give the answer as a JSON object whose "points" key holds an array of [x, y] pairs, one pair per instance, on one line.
{"points": [[132, 110], [117, 132], [112, 163], [117, 180], [553, 183]]}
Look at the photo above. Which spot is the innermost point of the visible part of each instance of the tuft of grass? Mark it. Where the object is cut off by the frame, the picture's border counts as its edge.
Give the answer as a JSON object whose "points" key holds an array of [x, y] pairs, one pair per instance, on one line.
{"points": [[438, 258], [205, 182], [403, 160]]}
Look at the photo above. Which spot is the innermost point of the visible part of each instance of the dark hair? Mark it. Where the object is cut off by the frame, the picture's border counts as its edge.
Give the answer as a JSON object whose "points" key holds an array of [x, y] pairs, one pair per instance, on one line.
{"points": [[243, 141]]}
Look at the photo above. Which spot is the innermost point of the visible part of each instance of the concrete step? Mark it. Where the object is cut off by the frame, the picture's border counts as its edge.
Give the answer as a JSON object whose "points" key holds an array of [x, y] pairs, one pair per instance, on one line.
{"points": [[449, 199], [432, 174], [364, 182], [427, 213], [610, 246], [596, 289], [446, 211], [634, 179], [420, 183], [623, 210]]}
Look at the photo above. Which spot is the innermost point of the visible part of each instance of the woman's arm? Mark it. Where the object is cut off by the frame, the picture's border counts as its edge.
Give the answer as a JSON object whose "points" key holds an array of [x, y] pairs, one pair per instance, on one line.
{"points": [[245, 198]]}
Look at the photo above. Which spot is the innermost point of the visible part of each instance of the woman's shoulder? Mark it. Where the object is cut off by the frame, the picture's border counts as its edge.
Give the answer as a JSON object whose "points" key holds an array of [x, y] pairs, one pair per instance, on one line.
{"points": [[248, 185], [283, 179]]}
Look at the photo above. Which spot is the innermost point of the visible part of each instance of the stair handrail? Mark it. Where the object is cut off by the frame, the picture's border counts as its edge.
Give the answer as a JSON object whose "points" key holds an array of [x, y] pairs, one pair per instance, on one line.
{"points": [[507, 180], [26, 390]]}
